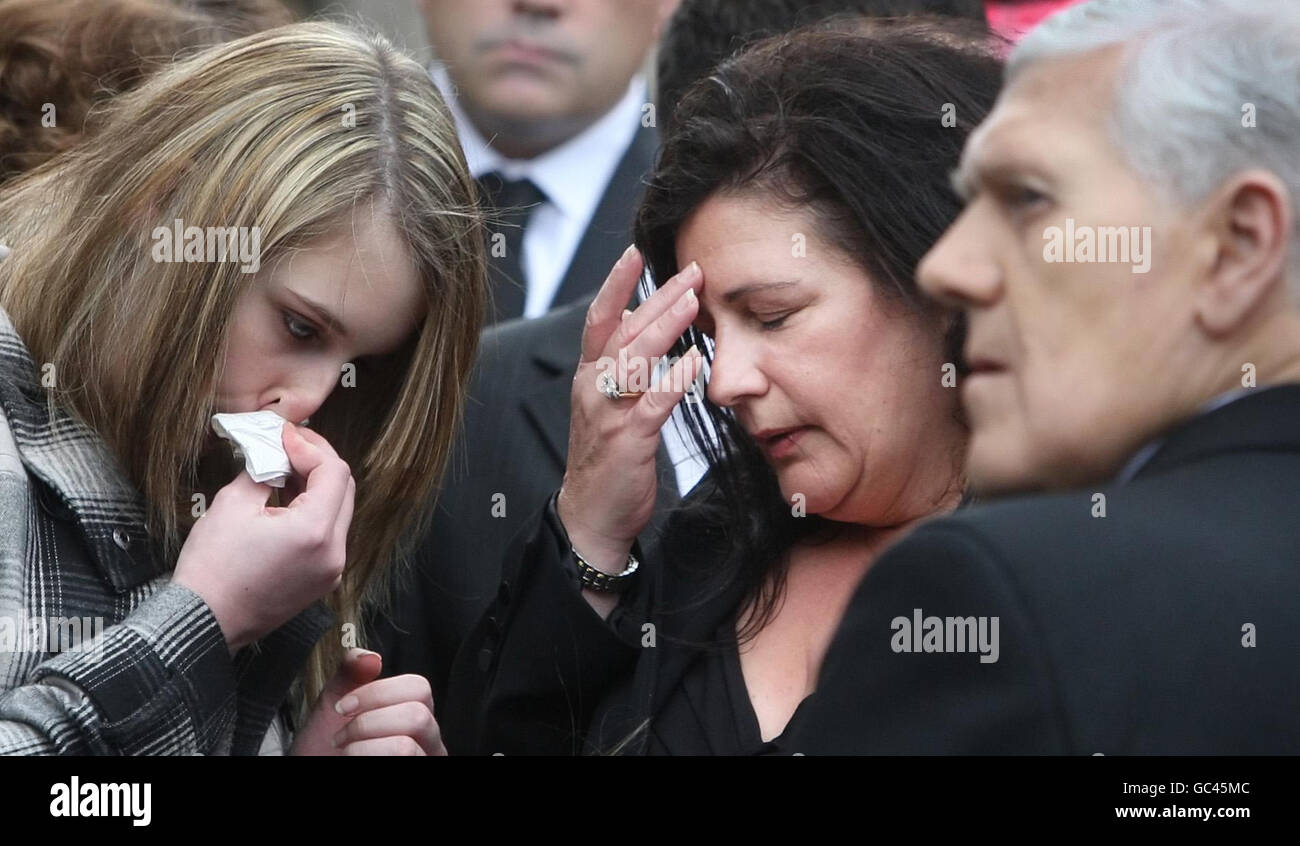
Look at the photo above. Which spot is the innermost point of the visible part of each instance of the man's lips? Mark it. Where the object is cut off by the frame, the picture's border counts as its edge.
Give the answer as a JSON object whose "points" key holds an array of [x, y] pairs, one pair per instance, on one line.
{"points": [[527, 52], [980, 365]]}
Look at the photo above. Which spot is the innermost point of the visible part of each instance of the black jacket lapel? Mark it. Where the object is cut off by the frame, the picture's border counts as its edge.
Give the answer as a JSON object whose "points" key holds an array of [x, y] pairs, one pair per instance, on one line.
{"points": [[610, 230]]}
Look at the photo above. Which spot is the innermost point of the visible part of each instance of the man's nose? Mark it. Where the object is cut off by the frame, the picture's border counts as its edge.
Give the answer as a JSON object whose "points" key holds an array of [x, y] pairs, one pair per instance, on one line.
{"points": [[960, 269]]}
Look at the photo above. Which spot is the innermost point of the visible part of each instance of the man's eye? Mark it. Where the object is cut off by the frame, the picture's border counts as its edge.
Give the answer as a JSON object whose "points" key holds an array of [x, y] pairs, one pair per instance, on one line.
{"points": [[1021, 197], [297, 328]]}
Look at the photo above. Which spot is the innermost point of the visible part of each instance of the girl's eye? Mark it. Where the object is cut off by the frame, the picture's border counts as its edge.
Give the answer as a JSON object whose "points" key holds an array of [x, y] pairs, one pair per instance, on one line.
{"points": [[297, 328]]}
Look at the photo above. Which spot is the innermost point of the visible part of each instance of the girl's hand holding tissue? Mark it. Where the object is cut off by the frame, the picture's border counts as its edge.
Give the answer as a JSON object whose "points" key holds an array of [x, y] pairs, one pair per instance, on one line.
{"points": [[258, 566]]}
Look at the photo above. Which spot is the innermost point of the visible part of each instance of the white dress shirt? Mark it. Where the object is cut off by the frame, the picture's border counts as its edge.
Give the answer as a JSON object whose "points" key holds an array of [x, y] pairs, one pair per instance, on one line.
{"points": [[573, 176], [689, 464]]}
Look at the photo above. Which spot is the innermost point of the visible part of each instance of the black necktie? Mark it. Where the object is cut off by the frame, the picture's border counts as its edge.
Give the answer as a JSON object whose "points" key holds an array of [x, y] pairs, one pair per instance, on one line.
{"points": [[510, 203]]}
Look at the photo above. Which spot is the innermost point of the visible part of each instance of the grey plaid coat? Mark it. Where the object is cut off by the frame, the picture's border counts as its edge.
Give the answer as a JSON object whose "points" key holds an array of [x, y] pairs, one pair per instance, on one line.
{"points": [[99, 653]]}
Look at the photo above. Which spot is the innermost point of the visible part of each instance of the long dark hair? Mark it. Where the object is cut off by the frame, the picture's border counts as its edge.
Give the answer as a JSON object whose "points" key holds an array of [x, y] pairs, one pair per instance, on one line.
{"points": [[859, 122]]}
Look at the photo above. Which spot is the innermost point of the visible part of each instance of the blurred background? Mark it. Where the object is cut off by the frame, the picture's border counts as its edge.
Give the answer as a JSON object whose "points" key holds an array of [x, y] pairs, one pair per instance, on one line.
{"points": [[398, 19]]}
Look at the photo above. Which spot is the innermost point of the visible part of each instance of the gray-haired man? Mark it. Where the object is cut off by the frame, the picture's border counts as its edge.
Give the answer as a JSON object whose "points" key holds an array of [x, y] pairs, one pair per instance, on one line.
{"points": [[1127, 262]]}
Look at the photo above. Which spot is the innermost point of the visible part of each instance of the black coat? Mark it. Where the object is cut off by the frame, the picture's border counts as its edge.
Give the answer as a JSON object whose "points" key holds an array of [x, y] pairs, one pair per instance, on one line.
{"points": [[1122, 634], [542, 673]]}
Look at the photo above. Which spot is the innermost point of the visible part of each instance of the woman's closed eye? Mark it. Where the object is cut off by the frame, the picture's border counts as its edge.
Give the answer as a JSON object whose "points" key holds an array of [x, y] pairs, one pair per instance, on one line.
{"points": [[772, 321]]}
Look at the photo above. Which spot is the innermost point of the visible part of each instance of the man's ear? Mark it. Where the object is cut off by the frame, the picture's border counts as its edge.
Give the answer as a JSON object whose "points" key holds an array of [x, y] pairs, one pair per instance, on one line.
{"points": [[1250, 220]]}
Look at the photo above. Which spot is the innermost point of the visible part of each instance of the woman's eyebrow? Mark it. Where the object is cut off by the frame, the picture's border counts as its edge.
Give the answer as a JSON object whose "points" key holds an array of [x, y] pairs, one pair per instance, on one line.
{"points": [[323, 313], [756, 287]]}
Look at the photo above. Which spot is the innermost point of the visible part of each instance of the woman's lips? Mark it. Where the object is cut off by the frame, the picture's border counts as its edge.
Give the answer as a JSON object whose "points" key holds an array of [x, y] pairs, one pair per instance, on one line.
{"points": [[778, 444]]}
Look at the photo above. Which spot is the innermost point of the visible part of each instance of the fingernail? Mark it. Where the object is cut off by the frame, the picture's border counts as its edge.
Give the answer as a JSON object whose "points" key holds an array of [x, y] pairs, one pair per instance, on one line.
{"points": [[691, 273], [627, 312], [347, 705], [627, 254], [338, 738], [687, 300], [693, 351]]}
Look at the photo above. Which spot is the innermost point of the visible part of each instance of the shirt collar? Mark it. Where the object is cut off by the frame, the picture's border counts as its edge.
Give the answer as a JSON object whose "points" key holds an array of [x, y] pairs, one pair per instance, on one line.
{"points": [[78, 468], [1150, 448], [575, 174]]}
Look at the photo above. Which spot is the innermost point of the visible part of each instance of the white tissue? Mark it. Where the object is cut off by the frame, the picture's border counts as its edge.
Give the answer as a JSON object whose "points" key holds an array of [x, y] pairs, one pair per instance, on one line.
{"points": [[256, 435]]}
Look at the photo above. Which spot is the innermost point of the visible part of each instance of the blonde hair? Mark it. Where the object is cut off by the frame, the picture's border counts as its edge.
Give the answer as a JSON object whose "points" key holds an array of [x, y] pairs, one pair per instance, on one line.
{"points": [[288, 130]]}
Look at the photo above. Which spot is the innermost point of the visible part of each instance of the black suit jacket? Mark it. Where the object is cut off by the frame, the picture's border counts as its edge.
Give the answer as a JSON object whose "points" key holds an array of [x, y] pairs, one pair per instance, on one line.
{"points": [[507, 463], [607, 234], [1122, 634]]}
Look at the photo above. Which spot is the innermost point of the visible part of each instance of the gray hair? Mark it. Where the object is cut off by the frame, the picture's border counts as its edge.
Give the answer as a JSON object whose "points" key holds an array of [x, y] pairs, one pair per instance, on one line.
{"points": [[1192, 71]]}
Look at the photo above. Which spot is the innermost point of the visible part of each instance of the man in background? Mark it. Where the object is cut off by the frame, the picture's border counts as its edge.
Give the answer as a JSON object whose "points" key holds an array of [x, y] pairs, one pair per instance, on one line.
{"points": [[553, 113]]}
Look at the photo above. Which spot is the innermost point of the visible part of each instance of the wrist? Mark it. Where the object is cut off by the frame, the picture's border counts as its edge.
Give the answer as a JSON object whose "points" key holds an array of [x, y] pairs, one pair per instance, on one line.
{"points": [[234, 637], [605, 556], [608, 555]]}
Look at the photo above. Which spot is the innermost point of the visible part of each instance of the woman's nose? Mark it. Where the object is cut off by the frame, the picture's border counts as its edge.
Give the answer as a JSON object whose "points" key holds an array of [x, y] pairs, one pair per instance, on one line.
{"points": [[734, 374]]}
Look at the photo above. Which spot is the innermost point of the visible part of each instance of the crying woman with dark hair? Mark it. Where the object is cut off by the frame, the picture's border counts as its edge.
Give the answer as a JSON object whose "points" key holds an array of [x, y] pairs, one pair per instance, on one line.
{"points": [[797, 190]]}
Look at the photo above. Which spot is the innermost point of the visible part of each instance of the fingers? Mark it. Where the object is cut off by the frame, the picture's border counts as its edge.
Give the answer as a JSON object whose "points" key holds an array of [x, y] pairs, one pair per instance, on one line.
{"points": [[359, 667], [315, 438], [412, 720], [385, 692], [659, 336], [387, 747], [660, 303], [648, 333], [327, 475], [606, 310], [654, 408], [387, 709], [244, 488], [344, 519], [304, 455]]}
